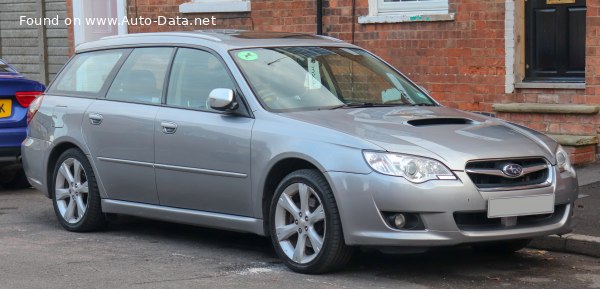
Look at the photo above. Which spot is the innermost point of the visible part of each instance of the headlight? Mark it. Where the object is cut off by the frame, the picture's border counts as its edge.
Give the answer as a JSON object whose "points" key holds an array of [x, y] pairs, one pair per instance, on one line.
{"points": [[562, 160], [412, 168]]}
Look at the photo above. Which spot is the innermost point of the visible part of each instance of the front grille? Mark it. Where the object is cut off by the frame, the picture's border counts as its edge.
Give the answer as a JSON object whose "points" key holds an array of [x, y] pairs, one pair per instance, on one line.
{"points": [[478, 221], [488, 174]]}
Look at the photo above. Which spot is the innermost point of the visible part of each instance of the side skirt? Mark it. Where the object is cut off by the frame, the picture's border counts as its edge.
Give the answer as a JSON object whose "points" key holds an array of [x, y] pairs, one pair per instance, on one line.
{"points": [[185, 216]]}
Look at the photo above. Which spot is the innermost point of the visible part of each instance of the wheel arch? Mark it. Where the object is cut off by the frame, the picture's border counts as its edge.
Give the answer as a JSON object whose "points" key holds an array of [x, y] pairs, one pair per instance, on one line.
{"points": [[55, 153], [279, 170]]}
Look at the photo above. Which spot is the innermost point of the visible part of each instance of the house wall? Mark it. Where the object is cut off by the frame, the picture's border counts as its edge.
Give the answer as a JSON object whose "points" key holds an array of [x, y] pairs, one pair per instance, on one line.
{"points": [[36, 52], [461, 62]]}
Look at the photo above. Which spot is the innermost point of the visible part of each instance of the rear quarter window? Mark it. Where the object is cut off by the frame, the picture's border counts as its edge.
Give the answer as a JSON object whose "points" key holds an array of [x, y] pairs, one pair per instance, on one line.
{"points": [[87, 73]]}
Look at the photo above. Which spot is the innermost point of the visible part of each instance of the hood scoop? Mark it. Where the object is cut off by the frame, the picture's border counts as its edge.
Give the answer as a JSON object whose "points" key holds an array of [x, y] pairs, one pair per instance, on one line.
{"points": [[440, 121]]}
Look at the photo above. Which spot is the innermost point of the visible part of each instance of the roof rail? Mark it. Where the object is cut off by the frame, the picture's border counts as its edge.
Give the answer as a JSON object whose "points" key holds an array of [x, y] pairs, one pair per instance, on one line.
{"points": [[330, 38], [180, 34]]}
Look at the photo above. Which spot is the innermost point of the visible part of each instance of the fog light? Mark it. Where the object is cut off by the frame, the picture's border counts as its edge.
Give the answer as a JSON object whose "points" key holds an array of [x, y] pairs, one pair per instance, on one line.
{"points": [[399, 221], [403, 221]]}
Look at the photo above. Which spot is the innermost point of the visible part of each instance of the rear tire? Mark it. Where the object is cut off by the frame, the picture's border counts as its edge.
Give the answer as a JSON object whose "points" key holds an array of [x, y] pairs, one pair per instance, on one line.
{"points": [[14, 179], [502, 247], [75, 193], [305, 224]]}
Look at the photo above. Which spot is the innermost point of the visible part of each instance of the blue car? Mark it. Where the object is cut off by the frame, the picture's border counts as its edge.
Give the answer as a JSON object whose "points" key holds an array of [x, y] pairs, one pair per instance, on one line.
{"points": [[16, 95]]}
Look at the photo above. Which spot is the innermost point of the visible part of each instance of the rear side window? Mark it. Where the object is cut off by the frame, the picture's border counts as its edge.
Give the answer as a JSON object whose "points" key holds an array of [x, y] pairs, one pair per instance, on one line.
{"points": [[87, 73], [194, 75], [142, 76]]}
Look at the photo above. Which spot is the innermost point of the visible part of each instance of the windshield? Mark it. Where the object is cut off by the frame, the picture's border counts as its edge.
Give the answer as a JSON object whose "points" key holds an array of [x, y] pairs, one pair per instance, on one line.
{"points": [[310, 78]]}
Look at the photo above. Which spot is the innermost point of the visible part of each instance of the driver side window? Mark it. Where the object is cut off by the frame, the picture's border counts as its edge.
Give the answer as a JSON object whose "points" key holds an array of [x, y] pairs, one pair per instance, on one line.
{"points": [[194, 75]]}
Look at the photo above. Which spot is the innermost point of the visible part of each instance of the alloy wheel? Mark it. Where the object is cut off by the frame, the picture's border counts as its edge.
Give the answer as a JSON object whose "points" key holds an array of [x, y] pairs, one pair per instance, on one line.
{"points": [[300, 223], [71, 191]]}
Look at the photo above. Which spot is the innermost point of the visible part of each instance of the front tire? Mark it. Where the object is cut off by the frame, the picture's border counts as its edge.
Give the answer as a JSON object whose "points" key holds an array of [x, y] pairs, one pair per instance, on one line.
{"points": [[75, 193], [305, 225]]}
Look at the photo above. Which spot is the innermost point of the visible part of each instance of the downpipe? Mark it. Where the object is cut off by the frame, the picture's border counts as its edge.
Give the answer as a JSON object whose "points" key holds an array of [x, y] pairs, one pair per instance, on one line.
{"points": [[319, 17]]}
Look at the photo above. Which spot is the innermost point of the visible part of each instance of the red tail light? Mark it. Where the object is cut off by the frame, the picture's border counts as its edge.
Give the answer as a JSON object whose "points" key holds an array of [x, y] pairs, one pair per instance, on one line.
{"points": [[34, 106], [25, 98]]}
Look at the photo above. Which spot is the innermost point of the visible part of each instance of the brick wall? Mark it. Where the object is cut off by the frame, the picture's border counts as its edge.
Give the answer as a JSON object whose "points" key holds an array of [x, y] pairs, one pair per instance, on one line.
{"points": [[592, 71], [170, 8], [554, 123]]}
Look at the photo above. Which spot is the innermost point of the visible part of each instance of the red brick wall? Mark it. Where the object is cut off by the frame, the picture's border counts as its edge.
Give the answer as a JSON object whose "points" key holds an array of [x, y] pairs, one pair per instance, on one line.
{"points": [[554, 123], [592, 71]]}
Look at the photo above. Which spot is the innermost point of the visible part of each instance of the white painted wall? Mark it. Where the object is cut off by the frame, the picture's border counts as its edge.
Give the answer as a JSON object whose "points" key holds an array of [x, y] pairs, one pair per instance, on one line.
{"points": [[509, 45]]}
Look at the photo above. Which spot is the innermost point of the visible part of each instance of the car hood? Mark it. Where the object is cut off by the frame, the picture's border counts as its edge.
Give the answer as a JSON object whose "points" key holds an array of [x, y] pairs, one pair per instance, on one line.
{"points": [[446, 134]]}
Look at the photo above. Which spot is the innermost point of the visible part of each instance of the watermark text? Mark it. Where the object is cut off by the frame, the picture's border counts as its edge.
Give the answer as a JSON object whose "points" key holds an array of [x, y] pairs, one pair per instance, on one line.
{"points": [[123, 21]]}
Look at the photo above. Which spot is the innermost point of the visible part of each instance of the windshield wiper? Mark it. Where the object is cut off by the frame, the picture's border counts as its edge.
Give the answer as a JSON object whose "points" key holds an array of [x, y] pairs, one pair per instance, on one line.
{"points": [[371, 104], [363, 104]]}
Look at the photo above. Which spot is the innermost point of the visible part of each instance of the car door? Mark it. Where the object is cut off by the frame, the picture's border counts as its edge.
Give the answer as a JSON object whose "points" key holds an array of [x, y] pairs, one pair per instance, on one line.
{"points": [[202, 155], [119, 129]]}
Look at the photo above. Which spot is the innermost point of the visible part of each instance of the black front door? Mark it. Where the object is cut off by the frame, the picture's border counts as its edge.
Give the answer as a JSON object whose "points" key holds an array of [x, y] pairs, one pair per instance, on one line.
{"points": [[555, 40]]}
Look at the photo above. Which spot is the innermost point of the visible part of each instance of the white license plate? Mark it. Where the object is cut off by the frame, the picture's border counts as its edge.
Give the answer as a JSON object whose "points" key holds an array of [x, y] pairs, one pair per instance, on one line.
{"points": [[521, 206]]}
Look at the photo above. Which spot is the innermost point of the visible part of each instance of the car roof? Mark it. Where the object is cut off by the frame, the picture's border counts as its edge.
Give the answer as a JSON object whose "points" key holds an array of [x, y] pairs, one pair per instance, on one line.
{"points": [[216, 39]]}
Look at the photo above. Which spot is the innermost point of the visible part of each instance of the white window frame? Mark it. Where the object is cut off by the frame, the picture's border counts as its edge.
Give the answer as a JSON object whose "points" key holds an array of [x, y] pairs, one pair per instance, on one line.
{"points": [[427, 7], [78, 30], [215, 6], [406, 11]]}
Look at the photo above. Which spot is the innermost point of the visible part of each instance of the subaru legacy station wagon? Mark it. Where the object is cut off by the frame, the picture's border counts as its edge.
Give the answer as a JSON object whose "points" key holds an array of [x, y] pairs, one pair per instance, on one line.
{"points": [[314, 142]]}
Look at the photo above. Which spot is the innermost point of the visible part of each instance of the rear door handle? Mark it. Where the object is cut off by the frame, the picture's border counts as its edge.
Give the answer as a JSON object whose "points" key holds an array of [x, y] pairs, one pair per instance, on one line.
{"points": [[95, 118], [168, 127]]}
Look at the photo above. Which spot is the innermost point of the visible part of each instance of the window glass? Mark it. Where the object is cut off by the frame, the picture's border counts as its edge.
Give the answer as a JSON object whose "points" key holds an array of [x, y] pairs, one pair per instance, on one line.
{"points": [[194, 75], [88, 72], [412, 6], [309, 78], [142, 77]]}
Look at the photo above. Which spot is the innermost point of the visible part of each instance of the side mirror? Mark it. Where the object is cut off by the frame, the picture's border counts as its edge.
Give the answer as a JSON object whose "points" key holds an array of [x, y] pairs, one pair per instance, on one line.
{"points": [[222, 99]]}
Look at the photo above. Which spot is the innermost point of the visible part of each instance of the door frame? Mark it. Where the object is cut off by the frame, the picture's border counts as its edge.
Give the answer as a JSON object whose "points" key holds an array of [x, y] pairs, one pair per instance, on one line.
{"points": [[79, 13], [528, 33]]}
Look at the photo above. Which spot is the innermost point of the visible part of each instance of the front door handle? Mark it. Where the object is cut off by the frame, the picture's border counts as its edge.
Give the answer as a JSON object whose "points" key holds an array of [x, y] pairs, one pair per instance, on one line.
{"points": [[168, 127], [95, 118]]}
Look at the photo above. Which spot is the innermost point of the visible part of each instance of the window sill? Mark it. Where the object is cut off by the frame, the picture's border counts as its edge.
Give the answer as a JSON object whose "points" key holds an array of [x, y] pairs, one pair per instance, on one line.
{"points": [[401, 18], [213, 6], [550, 85]]}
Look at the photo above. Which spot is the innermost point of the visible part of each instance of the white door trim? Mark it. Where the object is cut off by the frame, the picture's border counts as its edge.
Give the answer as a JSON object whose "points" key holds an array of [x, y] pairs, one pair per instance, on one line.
{"points": [[122, 13], [509, 46], [78, 33]]}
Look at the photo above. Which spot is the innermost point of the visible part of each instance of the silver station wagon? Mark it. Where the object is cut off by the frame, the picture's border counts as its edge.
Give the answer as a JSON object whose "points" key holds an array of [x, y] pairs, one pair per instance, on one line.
{"points": [[314, 142]]}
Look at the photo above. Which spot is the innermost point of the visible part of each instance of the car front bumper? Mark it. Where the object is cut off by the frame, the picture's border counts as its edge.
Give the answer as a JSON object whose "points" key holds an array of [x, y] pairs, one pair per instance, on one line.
{"points": [[361, 199]]}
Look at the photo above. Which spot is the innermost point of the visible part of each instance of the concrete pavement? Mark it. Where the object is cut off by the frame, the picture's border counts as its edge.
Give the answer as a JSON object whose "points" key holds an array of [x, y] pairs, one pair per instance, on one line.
{"points": [[585, 238], [35, 252]]}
